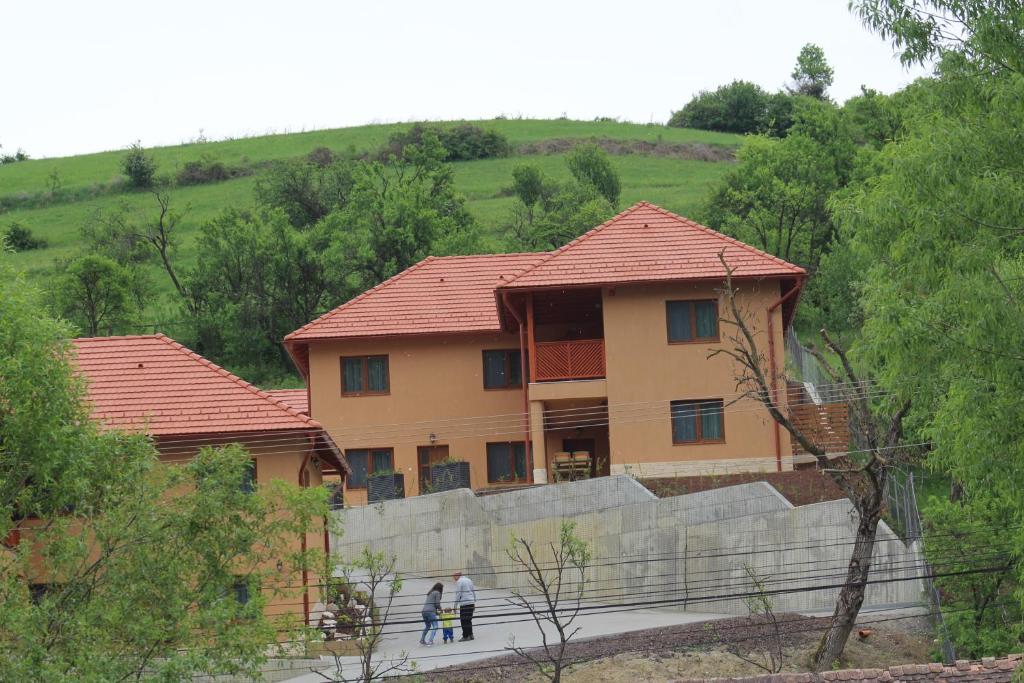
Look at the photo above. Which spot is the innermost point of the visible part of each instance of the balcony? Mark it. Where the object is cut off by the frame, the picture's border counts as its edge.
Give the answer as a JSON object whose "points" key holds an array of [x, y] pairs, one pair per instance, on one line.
{"points": [[567, 360]]}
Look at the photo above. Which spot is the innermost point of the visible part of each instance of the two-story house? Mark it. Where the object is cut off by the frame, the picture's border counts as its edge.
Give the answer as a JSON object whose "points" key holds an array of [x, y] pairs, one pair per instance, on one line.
{"points": [[510, 361]]}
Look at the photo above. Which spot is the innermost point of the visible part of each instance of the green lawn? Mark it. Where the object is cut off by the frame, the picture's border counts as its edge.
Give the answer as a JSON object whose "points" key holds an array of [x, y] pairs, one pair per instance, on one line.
{"points": [[676, 184]]}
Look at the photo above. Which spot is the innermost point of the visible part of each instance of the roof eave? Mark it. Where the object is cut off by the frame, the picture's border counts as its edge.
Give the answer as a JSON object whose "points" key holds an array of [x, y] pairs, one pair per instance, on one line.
{"points": [[646, 281]]}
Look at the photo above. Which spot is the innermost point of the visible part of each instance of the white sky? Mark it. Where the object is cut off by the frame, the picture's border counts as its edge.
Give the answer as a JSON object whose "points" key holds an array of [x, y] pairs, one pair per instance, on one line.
{"points": [[88, 76]]}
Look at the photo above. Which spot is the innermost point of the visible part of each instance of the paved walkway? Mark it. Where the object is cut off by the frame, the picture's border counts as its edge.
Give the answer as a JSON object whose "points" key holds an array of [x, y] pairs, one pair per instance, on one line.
{"points": [[492, 632]]}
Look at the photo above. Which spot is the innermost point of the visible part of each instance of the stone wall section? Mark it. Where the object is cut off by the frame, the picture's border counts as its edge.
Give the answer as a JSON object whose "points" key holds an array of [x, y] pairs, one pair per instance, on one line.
{"points": [[686, 552]]}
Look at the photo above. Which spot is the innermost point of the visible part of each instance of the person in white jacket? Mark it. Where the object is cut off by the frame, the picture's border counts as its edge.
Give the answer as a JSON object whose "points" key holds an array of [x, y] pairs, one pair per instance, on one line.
{"points": [[465, 602]]}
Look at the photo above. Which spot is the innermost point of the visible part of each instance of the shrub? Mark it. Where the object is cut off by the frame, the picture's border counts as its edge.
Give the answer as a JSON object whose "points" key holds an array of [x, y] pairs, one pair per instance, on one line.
{"points": [[468, 142], [464, 142], [739, 107], [204, 170], [139, 167], [321, 156], [20, 238], [20, 155]]}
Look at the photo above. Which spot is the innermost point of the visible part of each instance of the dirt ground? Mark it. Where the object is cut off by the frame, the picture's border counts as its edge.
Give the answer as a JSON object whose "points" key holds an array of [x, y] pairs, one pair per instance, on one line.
{"points": [[702, 651], [800, 487]]}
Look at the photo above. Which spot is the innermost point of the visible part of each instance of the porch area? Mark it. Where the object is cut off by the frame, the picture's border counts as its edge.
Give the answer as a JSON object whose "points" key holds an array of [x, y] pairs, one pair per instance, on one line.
{"points": [[570, 440]]}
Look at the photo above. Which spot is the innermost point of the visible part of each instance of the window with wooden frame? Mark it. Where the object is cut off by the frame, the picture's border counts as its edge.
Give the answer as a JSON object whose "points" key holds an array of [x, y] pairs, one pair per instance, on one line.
{"points": [[698, 421], [506, 462], [364, 375], [692, 321], [503, 369], [366, 461]]}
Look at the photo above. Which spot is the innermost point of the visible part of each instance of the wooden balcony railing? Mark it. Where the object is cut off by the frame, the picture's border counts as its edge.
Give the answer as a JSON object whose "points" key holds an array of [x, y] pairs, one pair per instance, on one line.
{"points": [[582, 359]]}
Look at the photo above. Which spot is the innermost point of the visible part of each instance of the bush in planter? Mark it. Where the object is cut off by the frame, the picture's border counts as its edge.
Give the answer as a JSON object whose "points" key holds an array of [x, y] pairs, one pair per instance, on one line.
{"points": [[449, 474], [385, 485]]}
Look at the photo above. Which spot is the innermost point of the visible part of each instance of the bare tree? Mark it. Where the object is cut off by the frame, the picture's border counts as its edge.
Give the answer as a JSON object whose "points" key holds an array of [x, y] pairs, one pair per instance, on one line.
{"points": [[129, 237], [760, 605], [876, 431], [374, 573], [160, 234], [560, 582]]}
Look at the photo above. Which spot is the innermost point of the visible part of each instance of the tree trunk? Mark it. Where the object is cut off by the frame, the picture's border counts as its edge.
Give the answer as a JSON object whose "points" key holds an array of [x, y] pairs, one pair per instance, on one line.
{"points": [[851, 595]]}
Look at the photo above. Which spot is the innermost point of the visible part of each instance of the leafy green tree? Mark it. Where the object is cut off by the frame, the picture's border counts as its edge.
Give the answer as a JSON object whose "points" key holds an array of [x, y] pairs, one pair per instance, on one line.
{"points": [[126, 568], [812, 75], [979, 610], [941, 229], [139, 167], [779, 114], [528, 183], [776, 197], [258, 278], [307, 191], [590, 165], [401, 210], [135, 238], [988, 34], [739, 107], [548, 213], [874, 118], [94, 292]]}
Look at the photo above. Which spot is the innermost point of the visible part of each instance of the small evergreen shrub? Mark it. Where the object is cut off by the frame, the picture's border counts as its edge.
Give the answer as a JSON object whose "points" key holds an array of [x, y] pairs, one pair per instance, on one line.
{"points": [[203, 170], [138, 167], [20, 238]]}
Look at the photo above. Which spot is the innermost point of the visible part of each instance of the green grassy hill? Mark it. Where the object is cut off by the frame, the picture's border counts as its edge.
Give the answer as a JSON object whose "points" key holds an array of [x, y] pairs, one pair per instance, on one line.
{"points": [[90, 182]]}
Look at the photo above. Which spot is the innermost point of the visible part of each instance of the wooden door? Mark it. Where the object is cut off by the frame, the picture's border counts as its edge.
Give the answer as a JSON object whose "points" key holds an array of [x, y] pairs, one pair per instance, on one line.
{"points": [[427, 456]]}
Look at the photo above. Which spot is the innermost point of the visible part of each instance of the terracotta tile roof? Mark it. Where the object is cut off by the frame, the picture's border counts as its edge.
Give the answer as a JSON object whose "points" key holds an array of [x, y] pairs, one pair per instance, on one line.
{"points": [[987, 670], [297, 399], [646, 243], [153, 383], [451, 294]]}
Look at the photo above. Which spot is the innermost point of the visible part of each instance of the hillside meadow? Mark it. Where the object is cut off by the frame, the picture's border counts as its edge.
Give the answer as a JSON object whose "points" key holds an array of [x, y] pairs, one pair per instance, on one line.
{"points": [[678, 184]]}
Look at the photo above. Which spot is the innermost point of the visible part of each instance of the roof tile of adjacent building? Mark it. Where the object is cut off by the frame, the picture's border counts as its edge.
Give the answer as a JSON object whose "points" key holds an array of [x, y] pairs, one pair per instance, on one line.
{"points": [[296, 399], [456, 294], [152, 383], [646, 243], [987, 670]]}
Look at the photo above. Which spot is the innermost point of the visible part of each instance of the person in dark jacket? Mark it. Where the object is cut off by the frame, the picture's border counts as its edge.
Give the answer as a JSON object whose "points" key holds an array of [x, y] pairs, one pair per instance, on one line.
{"points": [[465, 602], [431, 608]]}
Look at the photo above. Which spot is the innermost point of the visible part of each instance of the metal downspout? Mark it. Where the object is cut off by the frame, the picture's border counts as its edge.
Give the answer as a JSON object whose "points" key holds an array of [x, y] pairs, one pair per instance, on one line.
{"points": [[305, 571]]}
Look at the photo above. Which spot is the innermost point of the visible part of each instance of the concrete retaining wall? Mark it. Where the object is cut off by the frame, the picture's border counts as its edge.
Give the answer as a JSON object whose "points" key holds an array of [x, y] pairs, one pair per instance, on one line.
{"points": [[690, 552]]}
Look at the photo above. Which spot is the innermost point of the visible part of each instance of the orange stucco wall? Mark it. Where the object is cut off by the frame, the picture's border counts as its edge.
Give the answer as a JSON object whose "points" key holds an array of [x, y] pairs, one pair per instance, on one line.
{"points": [[436, 387], [645, 372]]}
